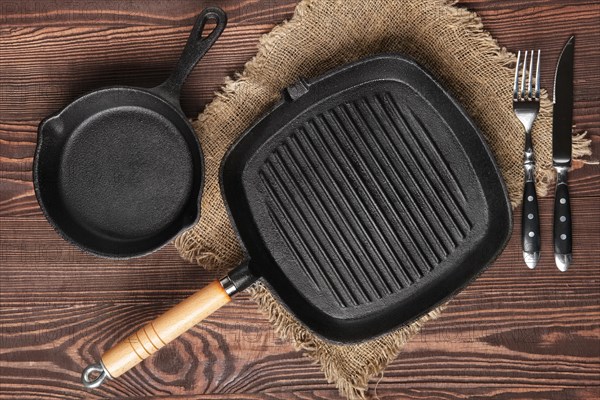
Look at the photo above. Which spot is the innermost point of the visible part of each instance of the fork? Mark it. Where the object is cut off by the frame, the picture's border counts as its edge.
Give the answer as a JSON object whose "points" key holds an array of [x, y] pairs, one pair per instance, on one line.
{"points": [[526, 105]]}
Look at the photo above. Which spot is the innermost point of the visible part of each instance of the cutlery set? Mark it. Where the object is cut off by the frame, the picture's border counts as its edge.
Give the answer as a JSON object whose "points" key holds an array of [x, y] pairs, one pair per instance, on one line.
{"points": [[364, 198], [526, 105]]}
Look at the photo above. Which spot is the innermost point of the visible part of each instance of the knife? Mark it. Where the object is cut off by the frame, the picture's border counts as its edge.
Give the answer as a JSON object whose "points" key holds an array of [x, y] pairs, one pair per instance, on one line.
{"points": [[562, 121]]}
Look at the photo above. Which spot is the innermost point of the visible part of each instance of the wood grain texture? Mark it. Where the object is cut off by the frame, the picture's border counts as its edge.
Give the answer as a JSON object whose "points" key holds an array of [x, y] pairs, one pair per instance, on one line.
{"points": [[513, 334]]}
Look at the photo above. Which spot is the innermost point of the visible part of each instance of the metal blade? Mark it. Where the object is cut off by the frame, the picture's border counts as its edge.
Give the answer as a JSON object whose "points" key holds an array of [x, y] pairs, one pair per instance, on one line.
{"points": [[562, 119]]}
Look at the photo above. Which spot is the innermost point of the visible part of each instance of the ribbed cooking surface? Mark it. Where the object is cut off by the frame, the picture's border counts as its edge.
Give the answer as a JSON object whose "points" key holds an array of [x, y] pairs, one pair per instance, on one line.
{"points": [[364, 200]]}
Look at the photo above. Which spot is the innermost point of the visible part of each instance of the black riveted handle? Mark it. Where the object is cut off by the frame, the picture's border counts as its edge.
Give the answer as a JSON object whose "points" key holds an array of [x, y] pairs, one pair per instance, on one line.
{"points": [[563, 234], [530, 226]]}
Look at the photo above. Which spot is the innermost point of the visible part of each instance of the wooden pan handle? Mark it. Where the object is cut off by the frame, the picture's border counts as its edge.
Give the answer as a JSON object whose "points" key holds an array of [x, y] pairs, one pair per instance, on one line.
{"points": [[156, 334]]}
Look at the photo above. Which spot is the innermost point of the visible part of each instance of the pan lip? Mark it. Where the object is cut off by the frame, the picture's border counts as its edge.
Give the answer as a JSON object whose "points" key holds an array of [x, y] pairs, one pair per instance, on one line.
{"points": [[192, 205], [500, 206]]}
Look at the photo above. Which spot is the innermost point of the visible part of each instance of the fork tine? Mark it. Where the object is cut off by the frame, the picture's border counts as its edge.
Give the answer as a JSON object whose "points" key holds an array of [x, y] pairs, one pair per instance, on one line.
{"points": [[529, 91], [516, 84], [523, 75], [537, 77]]}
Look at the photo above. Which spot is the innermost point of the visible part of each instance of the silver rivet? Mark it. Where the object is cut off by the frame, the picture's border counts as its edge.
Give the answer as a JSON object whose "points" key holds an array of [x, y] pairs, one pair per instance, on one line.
{"points": [[530, 198], [531, 234], [563, 218], [563, 236], [563, 200], [530, 216]]}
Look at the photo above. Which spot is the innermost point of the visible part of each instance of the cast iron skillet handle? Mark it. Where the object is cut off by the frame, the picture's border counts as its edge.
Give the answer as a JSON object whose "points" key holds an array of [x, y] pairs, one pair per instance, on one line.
{"points": [[562, 222], [194, 50], [167, 327]]}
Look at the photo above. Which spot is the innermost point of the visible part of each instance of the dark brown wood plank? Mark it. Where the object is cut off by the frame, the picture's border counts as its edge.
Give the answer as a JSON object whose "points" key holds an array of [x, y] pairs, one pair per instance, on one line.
{"points": [[131, 13], [143, 55], [36, 80], [513, 334], [243, 355], [424, 393]]}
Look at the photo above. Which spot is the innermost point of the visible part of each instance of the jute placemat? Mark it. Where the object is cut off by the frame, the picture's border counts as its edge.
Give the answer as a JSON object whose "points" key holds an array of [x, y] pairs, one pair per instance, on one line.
{"points": [[448, 41]]}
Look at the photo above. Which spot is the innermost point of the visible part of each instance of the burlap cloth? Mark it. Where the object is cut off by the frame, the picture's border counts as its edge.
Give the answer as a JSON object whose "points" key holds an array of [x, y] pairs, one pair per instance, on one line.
{"points": [[449, 42]]}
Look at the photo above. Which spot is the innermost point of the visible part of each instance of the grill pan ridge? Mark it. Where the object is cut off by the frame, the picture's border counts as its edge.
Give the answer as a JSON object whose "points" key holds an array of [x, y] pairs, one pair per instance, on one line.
{"points": [[309, 171], [365, 198]]}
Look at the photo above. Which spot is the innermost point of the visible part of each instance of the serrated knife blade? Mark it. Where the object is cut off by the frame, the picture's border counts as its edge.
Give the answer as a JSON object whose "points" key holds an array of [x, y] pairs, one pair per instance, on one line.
{"points": [[562, 121]]}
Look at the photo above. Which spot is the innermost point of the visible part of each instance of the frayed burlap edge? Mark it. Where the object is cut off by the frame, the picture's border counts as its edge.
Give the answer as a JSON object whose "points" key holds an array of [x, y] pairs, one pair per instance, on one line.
{"points": [[351, 385], [353, 382]]}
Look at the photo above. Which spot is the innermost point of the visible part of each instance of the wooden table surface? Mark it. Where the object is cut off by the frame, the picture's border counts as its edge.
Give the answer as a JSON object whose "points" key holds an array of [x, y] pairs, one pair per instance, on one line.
{"points": [[514, 333]]}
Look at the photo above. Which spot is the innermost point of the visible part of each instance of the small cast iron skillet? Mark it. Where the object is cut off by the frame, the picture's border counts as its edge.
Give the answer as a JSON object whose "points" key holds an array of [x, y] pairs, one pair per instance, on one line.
{"points": [[119, 171]]}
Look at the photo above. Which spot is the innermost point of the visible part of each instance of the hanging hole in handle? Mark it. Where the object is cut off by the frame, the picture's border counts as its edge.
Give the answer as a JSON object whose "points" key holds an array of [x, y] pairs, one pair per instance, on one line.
{"points": [[94, 375], [209, 25]]}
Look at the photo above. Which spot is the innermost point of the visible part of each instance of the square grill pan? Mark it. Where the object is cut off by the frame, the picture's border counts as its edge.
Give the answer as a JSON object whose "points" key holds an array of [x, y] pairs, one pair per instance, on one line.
{"points": [[365, 198]]}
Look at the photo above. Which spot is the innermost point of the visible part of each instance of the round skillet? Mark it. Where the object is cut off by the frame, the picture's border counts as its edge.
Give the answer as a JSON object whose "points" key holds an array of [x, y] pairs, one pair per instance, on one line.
{"points": [[119, 171]]}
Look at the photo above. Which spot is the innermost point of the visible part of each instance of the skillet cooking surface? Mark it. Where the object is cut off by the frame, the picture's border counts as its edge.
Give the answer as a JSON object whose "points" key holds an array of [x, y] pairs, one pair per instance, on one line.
{"points": [[365, 198]]}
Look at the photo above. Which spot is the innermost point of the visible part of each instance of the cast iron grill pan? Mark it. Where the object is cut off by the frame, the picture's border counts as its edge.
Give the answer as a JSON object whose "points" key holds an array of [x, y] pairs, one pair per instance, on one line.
{"points": [[364, 198]]}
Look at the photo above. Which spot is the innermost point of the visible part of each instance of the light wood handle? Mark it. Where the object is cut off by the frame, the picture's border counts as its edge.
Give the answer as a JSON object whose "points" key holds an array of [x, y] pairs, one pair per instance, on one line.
{"points": [[149, 339]]}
